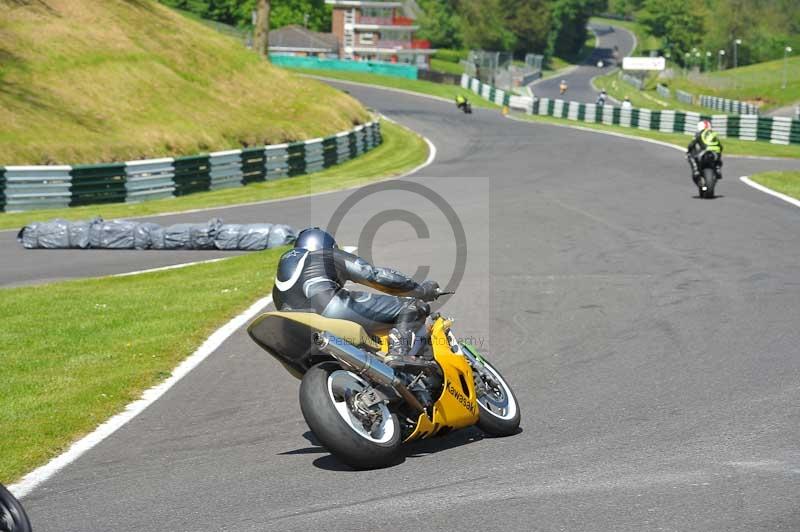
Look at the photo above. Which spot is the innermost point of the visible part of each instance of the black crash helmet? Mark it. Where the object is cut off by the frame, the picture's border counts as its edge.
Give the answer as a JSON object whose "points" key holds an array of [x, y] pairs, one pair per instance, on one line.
{"points": [[314, 238]]}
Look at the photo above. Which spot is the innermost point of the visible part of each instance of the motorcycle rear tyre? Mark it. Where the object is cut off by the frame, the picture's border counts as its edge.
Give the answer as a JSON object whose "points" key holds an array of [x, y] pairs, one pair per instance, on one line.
{"points": [[331, 429], [710, 179]]}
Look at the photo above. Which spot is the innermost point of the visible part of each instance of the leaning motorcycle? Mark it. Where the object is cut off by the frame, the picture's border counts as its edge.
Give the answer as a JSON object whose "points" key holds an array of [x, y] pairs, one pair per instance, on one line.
{"points": [[363, 410], [12, 516], [708, 165]]}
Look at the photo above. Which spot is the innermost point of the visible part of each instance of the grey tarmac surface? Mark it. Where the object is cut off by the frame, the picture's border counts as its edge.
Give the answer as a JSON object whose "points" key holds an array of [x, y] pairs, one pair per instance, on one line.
{"points": [[579, 80], [651, 338]]}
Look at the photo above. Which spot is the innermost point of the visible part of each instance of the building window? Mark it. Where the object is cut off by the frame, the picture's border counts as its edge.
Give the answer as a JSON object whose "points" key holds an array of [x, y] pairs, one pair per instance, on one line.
{"points": [[368, 38]]}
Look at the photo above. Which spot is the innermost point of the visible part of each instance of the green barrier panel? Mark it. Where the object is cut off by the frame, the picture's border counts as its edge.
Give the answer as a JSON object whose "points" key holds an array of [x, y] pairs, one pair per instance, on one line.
{"points": [[764, 128], [97, 183], [2, 189], [372, 67], [794, 132], [353, 138], [253, 165], [732, 128], [598, 113], [535, 108], [329, 151], [192, 174], [565, 110], [655, 120], [297, 158], [634, 118], [491, 94], [680, 122], [615, 115], [506, 99], [551, 106], [581, 112]]}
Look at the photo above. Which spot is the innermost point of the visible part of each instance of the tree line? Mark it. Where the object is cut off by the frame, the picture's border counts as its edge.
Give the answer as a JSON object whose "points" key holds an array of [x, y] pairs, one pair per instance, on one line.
{"points": [[550, 27], [312, 13], [765, 27]]}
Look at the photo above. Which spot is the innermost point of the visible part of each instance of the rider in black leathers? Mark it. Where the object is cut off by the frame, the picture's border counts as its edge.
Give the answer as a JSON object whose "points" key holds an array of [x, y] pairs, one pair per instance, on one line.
{"points": [[311, 278]]}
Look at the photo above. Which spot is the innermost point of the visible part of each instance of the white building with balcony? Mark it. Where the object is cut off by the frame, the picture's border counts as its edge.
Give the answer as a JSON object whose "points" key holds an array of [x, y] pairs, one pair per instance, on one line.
{"points": [[381, 31]]}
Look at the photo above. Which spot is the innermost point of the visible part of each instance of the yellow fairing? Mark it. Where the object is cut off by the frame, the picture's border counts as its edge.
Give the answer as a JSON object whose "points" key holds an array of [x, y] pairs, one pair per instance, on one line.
{"points": [[457, 407]]}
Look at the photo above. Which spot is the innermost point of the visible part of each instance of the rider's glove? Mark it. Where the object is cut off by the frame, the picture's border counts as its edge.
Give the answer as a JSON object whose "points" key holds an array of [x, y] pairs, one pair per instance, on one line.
{"points": [[430, 290]]}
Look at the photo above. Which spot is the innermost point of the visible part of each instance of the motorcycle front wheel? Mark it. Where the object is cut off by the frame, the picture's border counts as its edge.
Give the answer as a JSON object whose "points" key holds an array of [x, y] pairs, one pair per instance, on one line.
{"points": [[497, 404], [327, 400], [12, 515]]}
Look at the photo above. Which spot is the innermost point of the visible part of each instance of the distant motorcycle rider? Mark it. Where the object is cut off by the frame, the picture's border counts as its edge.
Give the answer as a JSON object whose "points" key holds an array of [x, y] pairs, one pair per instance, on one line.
{"points": [[311, 278], [704, 146], [461, 102]]}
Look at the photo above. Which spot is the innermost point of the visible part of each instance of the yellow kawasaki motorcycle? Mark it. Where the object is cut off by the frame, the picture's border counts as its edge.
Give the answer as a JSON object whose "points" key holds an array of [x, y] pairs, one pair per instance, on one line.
{"points": [[361, 409]]}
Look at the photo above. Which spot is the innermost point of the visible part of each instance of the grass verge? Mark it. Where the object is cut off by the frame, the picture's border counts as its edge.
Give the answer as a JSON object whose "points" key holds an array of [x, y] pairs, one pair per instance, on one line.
{"points": [[784, 182], [648, 98], [83, 81], [74, 353], [731, 146], [441, 65], [448, 92], [758, 83], [400, 151]]}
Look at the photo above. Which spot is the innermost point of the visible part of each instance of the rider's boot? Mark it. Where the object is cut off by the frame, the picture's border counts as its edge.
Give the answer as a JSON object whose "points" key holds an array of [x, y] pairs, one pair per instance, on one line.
{"points": [[400, 343]]}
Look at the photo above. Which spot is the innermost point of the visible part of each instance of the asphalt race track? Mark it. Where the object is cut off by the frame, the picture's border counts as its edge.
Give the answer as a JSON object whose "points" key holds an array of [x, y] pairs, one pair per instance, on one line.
{"points": [[579, 80], [651, 338]]}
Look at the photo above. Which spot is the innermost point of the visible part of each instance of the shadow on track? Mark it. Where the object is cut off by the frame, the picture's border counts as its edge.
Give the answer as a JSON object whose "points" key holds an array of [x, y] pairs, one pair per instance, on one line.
{"points": [[417, 449]]}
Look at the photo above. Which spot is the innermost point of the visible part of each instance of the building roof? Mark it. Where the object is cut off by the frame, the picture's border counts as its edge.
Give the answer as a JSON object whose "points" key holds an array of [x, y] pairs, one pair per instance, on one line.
{"points": [[295, 37]]}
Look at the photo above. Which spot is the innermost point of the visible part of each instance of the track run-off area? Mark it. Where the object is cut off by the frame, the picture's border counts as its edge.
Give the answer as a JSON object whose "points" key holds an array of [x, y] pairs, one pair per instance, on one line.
{"points": [[651, 338]]}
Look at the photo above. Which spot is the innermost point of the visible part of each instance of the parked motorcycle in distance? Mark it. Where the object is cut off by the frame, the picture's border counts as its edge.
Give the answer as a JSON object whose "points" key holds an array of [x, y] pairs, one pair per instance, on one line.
{"points": [[361, 409], [12, 516]]}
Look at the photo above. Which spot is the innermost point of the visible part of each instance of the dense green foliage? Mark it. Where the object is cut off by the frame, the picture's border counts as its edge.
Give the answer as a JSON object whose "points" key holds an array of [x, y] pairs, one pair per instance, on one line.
{"points": [[239, 12], [765, 27], [550, 27]]}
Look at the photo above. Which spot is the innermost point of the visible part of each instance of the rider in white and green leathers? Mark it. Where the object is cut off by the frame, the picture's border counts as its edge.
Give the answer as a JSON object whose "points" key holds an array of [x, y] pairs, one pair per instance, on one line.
{"points": [[704, 146]]}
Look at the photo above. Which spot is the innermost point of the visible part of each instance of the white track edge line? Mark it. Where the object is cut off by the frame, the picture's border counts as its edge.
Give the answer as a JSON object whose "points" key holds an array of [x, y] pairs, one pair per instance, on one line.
{"points": [[170, 267], [39, 475], [788, 199]]}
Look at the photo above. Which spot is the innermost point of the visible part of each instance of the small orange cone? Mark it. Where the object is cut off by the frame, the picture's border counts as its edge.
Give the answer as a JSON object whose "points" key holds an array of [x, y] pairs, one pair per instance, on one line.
{"points": [[505, 110]]}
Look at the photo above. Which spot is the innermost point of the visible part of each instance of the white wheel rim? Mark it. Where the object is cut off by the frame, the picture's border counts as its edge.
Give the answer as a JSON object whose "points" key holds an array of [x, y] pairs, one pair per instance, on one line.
{"points": [[508, 407], [338, 382]]}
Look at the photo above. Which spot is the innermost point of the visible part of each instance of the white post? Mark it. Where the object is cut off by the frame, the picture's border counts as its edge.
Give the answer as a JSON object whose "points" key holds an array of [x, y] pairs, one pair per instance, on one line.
{"points": [[786, 52]]}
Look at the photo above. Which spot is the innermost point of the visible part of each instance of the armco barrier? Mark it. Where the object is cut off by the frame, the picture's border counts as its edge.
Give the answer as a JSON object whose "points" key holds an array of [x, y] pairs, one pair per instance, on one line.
{"points": [[254, 165], [97, 184], [192, 174], [226, 169], [42, 187], [37, 187], [746, 127], [2, 188], [149, 180], [728, 106], [684, 97]]}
